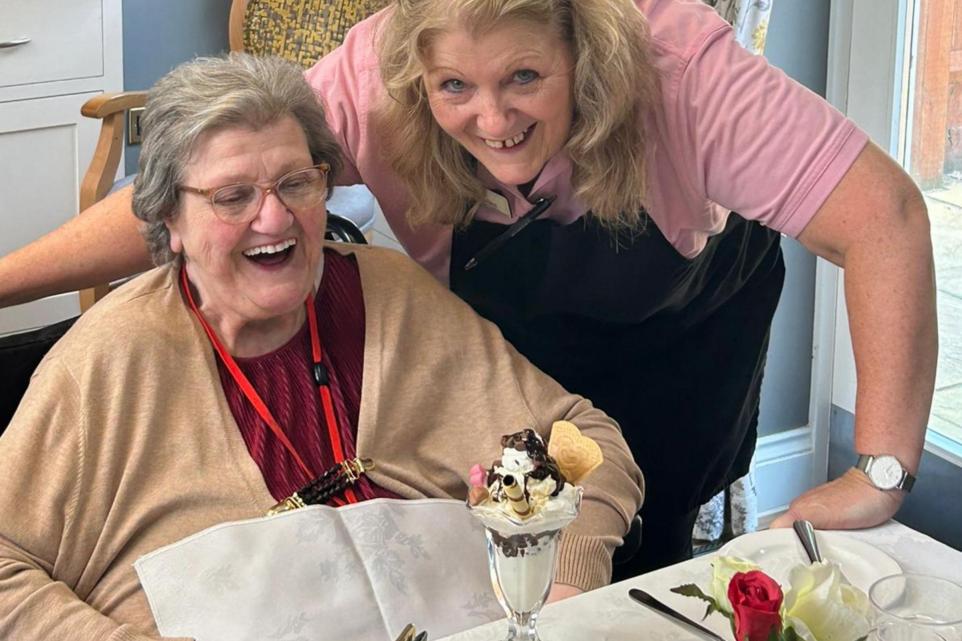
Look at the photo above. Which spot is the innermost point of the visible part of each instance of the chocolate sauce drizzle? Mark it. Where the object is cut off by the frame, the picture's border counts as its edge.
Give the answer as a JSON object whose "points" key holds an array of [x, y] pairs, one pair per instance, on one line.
{"points": [[527, 440]]}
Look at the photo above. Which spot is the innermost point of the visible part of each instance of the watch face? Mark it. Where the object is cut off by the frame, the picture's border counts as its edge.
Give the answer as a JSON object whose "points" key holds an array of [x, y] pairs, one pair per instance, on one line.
{"points": [[886, 472]]}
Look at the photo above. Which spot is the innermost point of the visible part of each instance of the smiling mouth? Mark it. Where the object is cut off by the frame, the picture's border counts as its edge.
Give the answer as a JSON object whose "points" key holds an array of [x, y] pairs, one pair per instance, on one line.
{"points": [[271, 254], [507, 143]]}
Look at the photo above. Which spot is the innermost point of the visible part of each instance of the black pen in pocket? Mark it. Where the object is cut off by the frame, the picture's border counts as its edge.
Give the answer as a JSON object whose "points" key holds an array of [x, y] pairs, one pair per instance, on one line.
{"points": [[540, 206]]}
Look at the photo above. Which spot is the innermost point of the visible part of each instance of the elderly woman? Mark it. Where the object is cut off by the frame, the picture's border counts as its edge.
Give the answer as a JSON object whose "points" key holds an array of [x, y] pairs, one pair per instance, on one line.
{"points": [[251, 361], [574, 167]]}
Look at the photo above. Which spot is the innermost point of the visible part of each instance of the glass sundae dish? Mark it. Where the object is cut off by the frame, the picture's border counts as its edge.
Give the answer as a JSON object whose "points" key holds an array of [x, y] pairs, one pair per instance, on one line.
{"points": [[524, 500]]}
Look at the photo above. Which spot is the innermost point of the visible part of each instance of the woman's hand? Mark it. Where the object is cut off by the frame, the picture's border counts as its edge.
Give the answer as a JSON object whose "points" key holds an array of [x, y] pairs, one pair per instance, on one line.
{"points": [[847, 503], [561, 591]]}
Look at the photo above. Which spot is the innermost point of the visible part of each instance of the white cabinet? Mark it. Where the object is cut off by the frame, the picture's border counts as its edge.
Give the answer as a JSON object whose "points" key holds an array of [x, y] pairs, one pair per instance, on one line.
{"points": [[73, 52]]}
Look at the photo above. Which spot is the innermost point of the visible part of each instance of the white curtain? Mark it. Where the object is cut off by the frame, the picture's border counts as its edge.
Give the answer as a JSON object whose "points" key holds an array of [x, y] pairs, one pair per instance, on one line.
{"points": [[749, 19]]}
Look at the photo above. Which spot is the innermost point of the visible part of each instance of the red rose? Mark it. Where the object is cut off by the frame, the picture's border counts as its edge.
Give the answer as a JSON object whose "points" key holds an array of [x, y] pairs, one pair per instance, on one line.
{"points": [[755, 600]]}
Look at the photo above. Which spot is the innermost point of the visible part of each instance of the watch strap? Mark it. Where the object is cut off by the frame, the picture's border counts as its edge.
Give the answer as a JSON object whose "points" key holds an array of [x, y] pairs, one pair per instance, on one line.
{"points": [[863, 462], [907, 481]]}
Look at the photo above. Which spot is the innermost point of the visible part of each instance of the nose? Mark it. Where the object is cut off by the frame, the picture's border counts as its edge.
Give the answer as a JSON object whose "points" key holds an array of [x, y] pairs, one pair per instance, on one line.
{"points": [[494, 115], [273, 216]]}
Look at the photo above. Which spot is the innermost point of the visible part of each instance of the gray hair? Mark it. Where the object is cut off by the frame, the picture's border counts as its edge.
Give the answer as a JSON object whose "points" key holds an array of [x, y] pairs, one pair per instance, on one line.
{"points": [[238, 90]]}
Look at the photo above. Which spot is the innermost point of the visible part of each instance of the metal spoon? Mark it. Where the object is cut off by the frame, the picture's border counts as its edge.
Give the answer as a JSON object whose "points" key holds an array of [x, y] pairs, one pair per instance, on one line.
{"points": [[806, 534], [407, 634], [646, 599]]}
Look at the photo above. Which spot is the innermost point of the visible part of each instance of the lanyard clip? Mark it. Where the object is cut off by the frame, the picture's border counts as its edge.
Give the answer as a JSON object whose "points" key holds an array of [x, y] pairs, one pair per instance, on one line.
{"points": [[357, 466], [320, 374], [293, 502]]}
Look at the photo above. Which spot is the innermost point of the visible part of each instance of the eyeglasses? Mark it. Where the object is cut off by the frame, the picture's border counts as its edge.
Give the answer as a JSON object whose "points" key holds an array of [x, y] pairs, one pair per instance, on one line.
{"points": [[299, 191]]}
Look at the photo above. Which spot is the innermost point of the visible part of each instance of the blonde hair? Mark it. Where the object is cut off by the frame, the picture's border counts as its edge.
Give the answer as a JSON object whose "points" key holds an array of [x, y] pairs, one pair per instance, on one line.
{"points": [[613, 85]]}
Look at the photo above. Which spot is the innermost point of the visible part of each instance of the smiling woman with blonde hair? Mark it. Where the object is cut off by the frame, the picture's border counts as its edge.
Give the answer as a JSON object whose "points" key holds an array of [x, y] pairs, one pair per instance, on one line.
{"points": [[608, 181], [609, 83]]}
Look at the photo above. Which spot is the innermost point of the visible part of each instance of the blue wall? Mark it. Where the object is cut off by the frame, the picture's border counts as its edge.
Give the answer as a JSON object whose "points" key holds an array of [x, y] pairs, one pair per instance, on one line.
{"points": [[798, 40], [160, 35], [798, 44]]}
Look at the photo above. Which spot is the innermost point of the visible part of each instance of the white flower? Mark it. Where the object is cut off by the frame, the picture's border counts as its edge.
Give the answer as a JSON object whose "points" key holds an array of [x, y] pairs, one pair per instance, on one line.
{"points": [[822, 606], [723, 569]]}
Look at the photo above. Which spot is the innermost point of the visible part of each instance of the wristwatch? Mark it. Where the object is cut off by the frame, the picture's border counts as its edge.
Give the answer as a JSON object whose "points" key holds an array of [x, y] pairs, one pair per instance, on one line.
{"points": [[885, 472]]}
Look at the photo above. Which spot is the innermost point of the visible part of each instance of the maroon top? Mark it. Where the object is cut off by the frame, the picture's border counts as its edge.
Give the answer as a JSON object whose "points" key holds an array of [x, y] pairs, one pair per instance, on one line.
{"points": [[284, 380]]}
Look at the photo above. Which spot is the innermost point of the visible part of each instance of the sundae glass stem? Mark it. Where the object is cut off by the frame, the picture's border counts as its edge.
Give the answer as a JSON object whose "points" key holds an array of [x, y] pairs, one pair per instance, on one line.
{"points": [[521, 627]]}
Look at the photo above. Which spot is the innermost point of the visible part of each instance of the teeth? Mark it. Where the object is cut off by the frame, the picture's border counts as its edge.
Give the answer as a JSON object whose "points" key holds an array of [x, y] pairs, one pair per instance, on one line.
{"points": [[509, 142], [270, 249]]}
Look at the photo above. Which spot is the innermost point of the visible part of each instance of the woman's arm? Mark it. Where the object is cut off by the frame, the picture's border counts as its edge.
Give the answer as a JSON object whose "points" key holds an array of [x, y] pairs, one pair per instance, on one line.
{"points": [[98, 246], [46, 541], [613, 492], [875, 225]]}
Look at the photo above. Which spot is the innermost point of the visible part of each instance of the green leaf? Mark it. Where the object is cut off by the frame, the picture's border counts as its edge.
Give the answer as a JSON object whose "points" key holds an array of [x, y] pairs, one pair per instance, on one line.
{"points": [[789, 634], [692, 590]]}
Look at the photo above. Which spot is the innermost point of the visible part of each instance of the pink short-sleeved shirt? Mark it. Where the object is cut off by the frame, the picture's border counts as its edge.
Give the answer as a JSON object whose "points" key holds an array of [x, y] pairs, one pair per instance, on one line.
{"points": [[728, 133]]}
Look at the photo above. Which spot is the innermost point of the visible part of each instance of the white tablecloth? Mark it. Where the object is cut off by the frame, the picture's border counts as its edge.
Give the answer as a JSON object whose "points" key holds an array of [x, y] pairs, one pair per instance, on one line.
{"points": [[609, 615]]}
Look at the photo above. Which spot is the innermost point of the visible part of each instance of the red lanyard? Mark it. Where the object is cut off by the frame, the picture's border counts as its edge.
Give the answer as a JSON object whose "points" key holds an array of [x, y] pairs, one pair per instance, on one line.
{"points": [[320, 378]]}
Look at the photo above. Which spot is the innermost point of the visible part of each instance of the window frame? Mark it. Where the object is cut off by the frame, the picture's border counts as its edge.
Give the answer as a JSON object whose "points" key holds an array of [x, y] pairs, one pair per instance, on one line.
{"points": [[866, 72]]}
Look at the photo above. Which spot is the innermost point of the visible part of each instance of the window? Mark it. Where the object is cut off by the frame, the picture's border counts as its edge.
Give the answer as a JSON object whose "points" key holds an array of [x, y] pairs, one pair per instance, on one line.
{"points": [[930, 149], [895, 67]]}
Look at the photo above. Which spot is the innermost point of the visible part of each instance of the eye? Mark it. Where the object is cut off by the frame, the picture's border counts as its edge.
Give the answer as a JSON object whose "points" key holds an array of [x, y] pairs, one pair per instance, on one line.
{"points": [[307, 185], [295, 182], [453, 85], [233, 195], [525, 76]]}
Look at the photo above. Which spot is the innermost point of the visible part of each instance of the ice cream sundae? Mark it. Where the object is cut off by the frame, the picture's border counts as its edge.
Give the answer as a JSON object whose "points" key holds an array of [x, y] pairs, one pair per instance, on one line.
{"points": [[523, 500]]}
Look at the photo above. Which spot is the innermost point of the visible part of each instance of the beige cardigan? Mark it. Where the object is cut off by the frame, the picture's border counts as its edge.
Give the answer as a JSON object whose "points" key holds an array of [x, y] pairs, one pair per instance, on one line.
{"points": [[124, 443]]}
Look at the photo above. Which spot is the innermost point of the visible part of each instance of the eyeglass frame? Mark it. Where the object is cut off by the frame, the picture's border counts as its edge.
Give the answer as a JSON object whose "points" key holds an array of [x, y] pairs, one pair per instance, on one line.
{"points": [[263, 188]]}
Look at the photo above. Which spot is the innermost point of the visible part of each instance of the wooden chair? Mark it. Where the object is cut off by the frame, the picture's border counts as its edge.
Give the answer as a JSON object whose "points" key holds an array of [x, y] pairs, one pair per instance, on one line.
{"points": [[299, 30]]}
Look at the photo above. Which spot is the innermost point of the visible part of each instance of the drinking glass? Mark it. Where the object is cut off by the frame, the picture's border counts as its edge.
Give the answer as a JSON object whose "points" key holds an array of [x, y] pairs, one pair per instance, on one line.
{"points": [[916, 607], [522, 557]]}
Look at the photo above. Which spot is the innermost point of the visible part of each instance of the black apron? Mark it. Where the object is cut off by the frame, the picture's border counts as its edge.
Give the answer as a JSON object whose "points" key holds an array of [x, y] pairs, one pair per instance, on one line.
{"points": [[672, 348]]}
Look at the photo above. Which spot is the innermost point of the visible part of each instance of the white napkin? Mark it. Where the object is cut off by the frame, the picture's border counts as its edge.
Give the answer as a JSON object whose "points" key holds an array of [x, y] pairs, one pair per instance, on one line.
{"points": [[361, 571]]}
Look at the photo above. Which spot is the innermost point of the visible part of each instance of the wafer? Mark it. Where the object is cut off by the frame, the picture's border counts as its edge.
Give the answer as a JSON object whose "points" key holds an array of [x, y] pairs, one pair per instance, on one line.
{"points": [[576, 454]]}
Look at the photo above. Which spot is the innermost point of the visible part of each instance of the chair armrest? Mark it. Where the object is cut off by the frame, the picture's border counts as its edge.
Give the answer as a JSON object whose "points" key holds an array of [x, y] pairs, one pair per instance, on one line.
{"points": [[110, 109], [110, 103]]}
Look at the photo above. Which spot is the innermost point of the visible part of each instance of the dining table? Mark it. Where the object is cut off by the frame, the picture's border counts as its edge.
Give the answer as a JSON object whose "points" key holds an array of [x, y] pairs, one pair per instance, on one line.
{"points": [[608, 614]]}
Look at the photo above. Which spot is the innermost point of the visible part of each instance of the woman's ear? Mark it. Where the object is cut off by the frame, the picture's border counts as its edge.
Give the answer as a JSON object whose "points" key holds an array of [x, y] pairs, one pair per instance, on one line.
{"points": [[176, 242]]}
